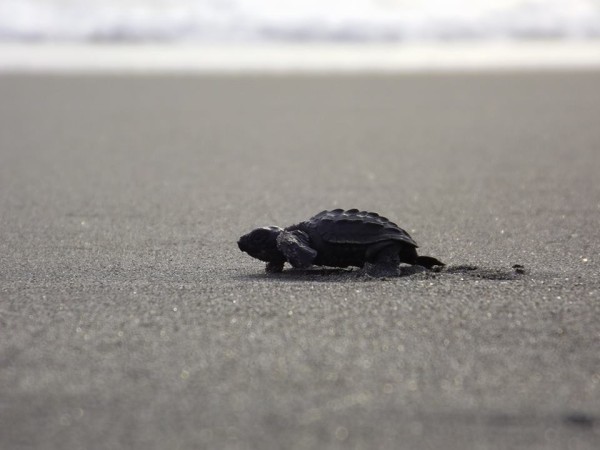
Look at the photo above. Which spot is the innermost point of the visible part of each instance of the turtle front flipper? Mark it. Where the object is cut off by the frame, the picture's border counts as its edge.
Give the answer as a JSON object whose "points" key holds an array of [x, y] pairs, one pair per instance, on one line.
{"points": [[274, 267], [295, 246]]}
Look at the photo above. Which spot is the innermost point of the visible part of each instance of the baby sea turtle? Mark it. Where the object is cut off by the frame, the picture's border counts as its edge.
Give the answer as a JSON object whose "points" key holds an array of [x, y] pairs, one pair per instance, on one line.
{"points": [[337, 238]]}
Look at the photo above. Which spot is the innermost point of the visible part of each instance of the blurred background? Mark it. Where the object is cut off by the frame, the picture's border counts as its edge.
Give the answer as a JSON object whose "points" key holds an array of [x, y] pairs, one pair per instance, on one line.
{"points": [[297, 20], [323, 22]]}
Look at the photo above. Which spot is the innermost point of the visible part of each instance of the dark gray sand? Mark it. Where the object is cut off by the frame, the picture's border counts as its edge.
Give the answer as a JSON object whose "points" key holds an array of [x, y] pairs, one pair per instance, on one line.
{"points": [[129, 318]]}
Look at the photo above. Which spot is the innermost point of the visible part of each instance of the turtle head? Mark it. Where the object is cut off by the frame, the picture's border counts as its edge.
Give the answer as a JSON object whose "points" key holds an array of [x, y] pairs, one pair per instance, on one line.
{"points": [[261, 243]]}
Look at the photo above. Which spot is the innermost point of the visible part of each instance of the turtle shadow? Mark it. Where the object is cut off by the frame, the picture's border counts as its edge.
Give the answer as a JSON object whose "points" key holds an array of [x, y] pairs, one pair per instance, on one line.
{"points": [[326, 275], [464, 271]]}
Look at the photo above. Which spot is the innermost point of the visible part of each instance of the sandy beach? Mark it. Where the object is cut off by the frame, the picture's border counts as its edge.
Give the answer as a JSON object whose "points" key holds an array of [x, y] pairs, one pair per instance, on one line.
{"points": [[130, 319]]}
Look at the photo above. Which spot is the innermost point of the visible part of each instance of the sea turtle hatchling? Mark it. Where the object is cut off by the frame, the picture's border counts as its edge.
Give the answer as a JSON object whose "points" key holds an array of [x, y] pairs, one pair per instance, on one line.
{"points": [[337, 238]]}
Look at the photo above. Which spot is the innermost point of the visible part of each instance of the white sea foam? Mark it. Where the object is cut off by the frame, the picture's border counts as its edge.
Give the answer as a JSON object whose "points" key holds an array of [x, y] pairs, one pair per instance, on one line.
{"points": [[297, 58], [297, 20]]}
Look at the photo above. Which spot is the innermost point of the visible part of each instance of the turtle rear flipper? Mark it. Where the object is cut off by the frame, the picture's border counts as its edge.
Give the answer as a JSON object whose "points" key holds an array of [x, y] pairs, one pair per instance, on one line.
{"points": [[295, 247], [428, 262], [383, 259]]}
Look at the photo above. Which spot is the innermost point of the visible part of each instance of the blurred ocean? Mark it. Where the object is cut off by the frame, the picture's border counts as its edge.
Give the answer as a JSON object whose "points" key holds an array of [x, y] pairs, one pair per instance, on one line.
{"points": [[235, 21]]}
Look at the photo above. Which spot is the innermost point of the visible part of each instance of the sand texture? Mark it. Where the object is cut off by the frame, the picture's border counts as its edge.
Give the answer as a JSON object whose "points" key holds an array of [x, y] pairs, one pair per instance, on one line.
{"points": [[129, 319]]}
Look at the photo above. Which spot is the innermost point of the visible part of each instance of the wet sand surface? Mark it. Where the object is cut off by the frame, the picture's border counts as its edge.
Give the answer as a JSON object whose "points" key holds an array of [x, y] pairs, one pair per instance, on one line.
{"points": [[129, 318]]}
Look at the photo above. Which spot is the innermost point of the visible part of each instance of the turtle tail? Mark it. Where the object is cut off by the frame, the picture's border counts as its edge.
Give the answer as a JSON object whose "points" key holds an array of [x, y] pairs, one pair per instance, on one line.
{"points": [[428, 262]]}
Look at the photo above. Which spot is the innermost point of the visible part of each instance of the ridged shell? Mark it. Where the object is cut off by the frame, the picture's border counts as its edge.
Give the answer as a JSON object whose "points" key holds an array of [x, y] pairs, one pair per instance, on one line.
{"points": [[356, 227]]}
